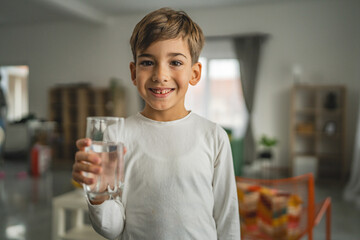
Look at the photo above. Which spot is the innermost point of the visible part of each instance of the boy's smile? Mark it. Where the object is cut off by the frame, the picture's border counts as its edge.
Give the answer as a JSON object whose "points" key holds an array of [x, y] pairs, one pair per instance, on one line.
{"points": [[162, 74], [161, 92]]}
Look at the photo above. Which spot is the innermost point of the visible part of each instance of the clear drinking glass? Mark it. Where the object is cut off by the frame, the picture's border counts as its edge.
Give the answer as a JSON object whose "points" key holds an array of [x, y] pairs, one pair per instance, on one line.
{"points": [[104, 131]]}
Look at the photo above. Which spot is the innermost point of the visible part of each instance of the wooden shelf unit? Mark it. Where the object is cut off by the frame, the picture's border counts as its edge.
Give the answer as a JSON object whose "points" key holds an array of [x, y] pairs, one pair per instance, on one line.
{"points": [[309, 115], [70, 106]]}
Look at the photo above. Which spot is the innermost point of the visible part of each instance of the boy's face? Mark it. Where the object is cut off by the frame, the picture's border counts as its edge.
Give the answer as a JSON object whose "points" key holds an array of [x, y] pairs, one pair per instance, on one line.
{"points": [[162, 74]]}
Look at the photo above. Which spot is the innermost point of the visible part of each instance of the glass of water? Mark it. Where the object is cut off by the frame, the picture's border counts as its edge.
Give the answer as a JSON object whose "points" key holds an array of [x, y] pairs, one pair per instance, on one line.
{"points": [[104, 134]]}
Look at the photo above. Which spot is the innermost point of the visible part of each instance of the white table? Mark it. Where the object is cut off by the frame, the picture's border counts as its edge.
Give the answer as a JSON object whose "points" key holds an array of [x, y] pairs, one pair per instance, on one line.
{"points": [[73, 202]]}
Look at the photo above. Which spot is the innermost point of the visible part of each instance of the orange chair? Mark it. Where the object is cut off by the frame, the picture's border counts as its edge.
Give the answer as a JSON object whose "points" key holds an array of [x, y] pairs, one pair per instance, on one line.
{"points": [[281, 208]]}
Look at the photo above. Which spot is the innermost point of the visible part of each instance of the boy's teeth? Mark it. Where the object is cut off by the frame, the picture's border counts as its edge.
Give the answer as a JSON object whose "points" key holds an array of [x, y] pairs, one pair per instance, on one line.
{"points": [[159, 91]]}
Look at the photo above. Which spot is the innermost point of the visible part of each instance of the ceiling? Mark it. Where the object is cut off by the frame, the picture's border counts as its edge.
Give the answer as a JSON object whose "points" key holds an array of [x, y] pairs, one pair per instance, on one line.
{"points": [[94, 11]]}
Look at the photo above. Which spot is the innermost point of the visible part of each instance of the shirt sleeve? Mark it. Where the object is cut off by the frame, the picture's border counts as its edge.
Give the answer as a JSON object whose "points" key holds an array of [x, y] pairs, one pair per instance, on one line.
{"points": [[226, 209], [108, 218]]}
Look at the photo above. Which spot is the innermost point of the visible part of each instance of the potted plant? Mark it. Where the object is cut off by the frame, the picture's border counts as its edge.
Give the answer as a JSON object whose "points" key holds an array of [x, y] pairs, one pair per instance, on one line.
{"points": [[267, 145]]}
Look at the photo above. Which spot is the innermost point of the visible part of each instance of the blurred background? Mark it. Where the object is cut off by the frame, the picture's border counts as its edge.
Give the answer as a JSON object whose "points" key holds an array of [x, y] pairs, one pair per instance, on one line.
{"points": [[282, 77]]}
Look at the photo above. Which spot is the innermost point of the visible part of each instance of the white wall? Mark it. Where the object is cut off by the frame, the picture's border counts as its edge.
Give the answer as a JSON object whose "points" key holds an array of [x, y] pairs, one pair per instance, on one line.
{"points": [[67, 53], [322, 36]]}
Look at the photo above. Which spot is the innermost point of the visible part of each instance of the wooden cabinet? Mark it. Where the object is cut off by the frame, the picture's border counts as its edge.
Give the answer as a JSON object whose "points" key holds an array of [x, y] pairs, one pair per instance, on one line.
{"points": [[317, 128], [70, 105]]}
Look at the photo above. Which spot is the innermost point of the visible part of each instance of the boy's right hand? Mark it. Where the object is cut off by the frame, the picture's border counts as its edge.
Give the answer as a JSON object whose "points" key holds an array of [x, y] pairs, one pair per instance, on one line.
{"points": [[85, 162]]}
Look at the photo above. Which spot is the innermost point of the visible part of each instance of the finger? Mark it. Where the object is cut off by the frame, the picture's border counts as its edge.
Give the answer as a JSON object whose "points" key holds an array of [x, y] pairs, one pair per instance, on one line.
{"points": [[87, 157], [82, 143], [80, 168], [85, 167], [78, 177], [125, 150]]}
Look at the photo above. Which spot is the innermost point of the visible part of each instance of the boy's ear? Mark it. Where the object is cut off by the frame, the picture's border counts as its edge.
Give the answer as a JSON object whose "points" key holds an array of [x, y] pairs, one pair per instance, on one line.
{"points": [[196, 74], [133, 72]]}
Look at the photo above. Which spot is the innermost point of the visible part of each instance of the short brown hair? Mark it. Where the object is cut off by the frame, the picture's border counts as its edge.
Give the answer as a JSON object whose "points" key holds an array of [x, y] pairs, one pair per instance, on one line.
{"points": [[164, 24]]}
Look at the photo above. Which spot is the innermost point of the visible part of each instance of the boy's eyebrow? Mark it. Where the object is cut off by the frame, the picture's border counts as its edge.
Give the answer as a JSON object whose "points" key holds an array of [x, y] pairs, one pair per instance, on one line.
{"points": [[176, 54], [145, 55], [151, 56]]}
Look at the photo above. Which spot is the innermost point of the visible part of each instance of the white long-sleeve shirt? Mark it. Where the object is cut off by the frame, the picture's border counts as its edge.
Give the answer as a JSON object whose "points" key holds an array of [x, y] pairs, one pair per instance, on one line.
{"points": [[179, 183]]}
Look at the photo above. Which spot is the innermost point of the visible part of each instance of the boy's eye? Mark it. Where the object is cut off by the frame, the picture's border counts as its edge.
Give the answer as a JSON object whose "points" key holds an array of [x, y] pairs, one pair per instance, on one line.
{"points": [[176, 63], [146, 63]]}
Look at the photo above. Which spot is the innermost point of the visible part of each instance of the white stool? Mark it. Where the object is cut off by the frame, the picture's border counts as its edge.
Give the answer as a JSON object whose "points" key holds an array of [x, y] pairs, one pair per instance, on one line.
{"points": [[75, 202]]}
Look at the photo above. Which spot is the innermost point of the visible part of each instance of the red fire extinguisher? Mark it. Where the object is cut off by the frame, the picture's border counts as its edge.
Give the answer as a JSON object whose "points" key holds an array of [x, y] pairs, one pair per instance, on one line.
{"points": [[35, 161]]}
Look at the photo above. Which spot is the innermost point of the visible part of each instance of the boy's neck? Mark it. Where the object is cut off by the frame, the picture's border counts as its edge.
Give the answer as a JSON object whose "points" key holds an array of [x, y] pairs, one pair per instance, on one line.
{"points": [[164, 116]]}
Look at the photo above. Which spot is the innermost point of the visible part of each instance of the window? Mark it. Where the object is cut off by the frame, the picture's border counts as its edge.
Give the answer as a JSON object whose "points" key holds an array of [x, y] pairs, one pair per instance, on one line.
{"points": [[14, 85], [218, 96]]}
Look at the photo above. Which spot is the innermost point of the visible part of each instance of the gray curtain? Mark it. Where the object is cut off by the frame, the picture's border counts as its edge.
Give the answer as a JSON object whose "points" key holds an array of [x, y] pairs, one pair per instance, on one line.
{"points": [[248, 49], [352, 190]]}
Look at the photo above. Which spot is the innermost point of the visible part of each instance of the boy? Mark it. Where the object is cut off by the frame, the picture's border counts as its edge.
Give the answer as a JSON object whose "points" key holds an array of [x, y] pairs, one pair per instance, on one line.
{"points": [[179, 178]]}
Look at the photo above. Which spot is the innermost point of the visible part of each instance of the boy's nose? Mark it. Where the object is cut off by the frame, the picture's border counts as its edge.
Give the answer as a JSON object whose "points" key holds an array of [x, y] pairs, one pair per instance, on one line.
{"points": [[160, 74]]}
